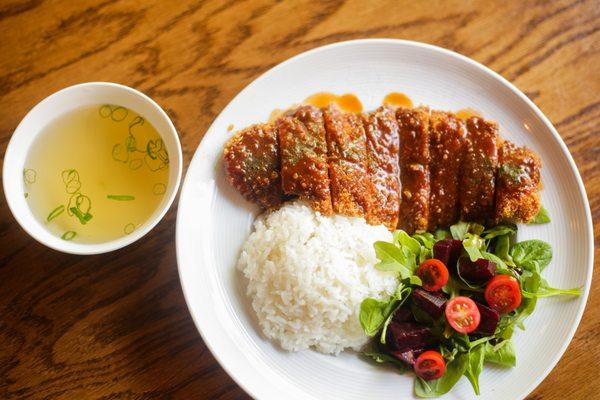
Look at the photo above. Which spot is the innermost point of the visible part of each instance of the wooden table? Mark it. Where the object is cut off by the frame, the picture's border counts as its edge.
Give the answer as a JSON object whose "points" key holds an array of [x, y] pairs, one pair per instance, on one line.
{"points": [[115, 326]]}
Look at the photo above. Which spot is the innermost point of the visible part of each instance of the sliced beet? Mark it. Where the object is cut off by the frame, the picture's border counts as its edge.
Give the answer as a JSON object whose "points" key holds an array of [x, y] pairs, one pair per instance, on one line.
{"points": [[432, 303], [489, 320], [448, 251], [405, 336], [407, 357], [479, 271], [403, 314]]}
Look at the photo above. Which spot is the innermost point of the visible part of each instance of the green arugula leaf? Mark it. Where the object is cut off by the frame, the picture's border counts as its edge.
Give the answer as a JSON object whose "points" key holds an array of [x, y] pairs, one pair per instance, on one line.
{"points": [[542, 217], [461, 340], [435, 388], [459, 230], [425, 254], [402, 293], [546, 291], [480, 341], [415, 280], [442, 234], [411, 259], [526, 311], [532, 288], [476, 229], [502, 354], [448, 352], [475, 366], [404, 239], [391, 258], [502, 249], [376, 314], [529, 251], [452, 288], [426, 239], [505, 327], [373, 314], [381, 358], [499, 230], [501, 267], [530, 282], [473, 244]]}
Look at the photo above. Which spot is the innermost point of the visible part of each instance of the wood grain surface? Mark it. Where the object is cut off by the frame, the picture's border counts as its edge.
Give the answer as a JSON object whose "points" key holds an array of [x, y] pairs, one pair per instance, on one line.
{"points": [[115, 326]]}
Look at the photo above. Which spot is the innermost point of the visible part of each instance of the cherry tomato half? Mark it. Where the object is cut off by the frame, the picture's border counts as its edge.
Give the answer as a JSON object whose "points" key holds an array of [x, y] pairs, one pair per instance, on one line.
{"points": [[430, 365], [462, 314], [433, 274], [503, 293]]}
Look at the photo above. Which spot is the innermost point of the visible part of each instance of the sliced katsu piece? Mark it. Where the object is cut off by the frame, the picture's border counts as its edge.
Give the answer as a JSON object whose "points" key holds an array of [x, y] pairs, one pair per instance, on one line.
{"points": [[303, 150], [351, 188], [413, 125], [480, 162], [446, 132], [252, 165], [518, 184], [383, 146]]}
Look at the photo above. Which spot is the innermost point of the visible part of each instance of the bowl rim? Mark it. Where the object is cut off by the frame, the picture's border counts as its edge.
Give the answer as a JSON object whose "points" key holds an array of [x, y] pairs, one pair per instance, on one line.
{"points": [[250, 389], [14, 196]]}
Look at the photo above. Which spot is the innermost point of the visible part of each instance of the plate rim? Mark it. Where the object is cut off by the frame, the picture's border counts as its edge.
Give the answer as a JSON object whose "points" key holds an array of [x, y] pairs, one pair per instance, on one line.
{"points": [[450, 53]]}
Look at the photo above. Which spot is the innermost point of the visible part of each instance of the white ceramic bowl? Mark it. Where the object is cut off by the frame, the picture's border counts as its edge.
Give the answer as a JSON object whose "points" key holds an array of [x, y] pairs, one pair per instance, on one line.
{"points": [[214, 221], [58, 104]]}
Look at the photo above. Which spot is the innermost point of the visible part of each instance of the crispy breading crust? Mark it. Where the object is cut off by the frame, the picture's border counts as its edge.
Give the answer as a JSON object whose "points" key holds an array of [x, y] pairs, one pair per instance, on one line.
{"points": [[413, 126], [446, 158], [383, 146], [404, 167], [351, 188], [518, 183], [251, 159], [477, 182], [303, 149]]}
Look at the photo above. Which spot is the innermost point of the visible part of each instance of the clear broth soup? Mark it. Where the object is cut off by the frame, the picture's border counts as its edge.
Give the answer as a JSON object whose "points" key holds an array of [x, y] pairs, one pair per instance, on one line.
{"points": [[96, 174]]}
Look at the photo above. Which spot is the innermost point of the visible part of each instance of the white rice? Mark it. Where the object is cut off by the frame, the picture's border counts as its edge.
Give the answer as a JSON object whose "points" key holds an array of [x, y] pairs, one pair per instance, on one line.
{"points": [[307, 275]]}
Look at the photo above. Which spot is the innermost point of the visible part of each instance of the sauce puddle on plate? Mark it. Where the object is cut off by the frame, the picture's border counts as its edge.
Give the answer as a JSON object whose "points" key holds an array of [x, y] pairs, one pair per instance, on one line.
{"points": [[467, 113], [398, 100], [346, 102], [96, 174], [351, 103]]}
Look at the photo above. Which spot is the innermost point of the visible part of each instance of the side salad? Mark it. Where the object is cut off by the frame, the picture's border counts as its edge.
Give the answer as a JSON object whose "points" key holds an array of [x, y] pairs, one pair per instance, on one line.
{"points": [[460, 296]]}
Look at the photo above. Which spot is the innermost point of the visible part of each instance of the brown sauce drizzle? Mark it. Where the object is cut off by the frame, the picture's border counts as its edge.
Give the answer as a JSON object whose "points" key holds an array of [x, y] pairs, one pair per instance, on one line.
{"points": [[347, 102], [397, 99], [467, 113]]}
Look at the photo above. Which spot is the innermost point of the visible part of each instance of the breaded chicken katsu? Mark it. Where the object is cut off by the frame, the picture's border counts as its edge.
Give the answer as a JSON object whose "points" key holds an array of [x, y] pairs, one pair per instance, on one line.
{"points": [[410, 168], [351, 188], [413, 125], [517, 184], [478, 172], [304, 166], [252, 165], [446, 149], [383, 144]]}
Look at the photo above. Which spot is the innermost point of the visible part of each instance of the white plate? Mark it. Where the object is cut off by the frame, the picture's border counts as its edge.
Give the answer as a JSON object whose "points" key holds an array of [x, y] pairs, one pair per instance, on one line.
{"points": [[213, 222]]}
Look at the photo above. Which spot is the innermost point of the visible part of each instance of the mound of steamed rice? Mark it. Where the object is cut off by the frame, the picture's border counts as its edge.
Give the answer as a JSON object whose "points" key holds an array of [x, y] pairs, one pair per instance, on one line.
{"points": [[308, 274]]}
